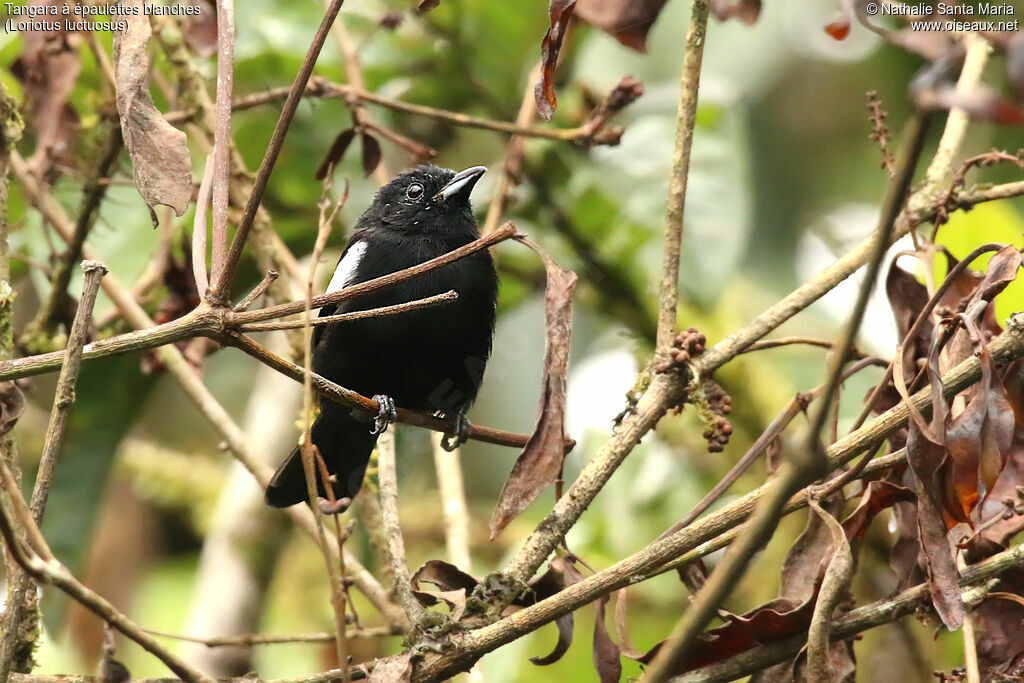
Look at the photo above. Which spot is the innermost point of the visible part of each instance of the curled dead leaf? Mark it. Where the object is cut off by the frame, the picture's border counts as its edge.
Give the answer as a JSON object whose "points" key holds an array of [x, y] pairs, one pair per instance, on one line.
{"points": [[541, 460], [559, 13], [628, 21], [159, 151]]}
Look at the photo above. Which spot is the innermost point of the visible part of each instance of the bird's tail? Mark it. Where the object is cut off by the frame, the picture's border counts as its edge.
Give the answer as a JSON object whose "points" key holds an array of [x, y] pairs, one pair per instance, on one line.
{"points": [[344, 442]]}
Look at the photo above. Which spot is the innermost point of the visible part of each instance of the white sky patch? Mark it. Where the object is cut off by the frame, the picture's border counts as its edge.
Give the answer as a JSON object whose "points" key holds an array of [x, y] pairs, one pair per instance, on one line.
{"points": [[346, 270], [596, 392], [847, 226]]}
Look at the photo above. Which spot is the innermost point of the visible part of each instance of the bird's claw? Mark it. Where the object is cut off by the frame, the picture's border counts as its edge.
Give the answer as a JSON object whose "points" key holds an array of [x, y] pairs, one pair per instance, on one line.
{"points": [[386, 414], [333, 508], [458, 435]]}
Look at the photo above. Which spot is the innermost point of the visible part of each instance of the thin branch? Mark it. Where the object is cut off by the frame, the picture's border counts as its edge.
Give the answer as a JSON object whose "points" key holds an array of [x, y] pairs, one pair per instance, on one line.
{"points": [[65, 394], [354, 72], [350, 398], [354, 291], [387, 473], [200, 228], [222, 284], [514, 150], [222, 136], [452, 492], [257, 291], [261, 639], [308, 449], [686, 120], [320, 87], [415, 305], [778, 342]]}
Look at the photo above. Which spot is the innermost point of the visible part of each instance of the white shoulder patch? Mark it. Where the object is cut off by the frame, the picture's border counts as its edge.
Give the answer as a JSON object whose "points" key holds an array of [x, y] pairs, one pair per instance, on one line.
{"points": [[345, 273]]}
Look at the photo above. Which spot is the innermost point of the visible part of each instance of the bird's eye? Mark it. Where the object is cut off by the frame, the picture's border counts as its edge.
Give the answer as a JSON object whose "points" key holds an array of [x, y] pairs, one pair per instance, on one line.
{"points": [[415, 191]]}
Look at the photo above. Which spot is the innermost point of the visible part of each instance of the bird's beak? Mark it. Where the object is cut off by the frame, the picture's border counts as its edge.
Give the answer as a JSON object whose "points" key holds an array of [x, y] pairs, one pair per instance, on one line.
{"points": [[462, 184]]}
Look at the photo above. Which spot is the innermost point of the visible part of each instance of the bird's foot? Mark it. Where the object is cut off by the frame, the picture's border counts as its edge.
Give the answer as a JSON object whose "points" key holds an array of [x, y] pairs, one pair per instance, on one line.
{"points": [[458, 435], [386, 414], [333, 508]]}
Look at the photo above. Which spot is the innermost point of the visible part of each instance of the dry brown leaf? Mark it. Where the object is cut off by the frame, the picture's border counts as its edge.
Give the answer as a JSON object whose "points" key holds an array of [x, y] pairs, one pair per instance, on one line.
{"points": [[541, 460], [12, 405], [336, 153], [371, 152], [559, 12], [925, 459], [561, 572], [606, 655], [159, 151], [628, 21]]}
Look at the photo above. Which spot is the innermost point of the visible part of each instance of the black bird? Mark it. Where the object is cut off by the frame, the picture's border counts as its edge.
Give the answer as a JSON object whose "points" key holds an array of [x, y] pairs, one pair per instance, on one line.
{"points": [[431, 360]]}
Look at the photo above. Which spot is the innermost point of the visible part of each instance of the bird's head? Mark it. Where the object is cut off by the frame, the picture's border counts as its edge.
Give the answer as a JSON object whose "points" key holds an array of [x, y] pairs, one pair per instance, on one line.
{"points": [[426, 198]]}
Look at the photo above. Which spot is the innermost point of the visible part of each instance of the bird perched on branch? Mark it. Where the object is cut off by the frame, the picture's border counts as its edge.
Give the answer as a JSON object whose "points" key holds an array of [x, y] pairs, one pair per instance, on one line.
{"points": [[429, 360]]}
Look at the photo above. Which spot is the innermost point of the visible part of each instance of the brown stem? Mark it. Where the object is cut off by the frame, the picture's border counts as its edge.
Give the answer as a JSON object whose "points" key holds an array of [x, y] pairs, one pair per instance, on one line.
{"points": [[686, 120], [222, 136], [222, 283], [415, 305]]}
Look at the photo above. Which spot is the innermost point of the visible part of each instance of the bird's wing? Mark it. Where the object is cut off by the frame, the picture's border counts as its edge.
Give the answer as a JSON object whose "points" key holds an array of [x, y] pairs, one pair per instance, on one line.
{"points": [[345, 274]]}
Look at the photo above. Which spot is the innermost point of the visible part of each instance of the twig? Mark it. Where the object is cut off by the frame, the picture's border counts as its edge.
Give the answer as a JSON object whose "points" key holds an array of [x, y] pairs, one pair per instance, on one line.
{"points": [[354, 73], [219, 291], [766, 344], [970, 641], [453, 502], [308, 450], [686, 120], [510, 170], [320, 87], [261, 639], [428, 302], [354, 291], [388, 475], [200, 228], [257, 291], [64, 397], [222, 136], [65, 394], [350, 398]]}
